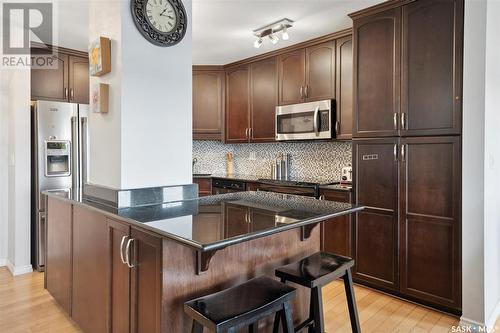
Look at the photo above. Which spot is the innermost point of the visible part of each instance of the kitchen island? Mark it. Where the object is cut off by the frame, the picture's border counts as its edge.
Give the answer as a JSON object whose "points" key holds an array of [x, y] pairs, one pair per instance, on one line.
{"points": [[133, 268]]}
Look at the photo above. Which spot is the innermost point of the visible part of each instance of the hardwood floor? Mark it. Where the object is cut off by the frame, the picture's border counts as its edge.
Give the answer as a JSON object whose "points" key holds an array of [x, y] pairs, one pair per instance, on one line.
{"points": [[25, 306]]}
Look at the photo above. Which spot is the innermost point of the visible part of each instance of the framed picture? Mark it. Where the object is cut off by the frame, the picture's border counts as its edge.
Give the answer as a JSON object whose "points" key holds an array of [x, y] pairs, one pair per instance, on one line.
{"points": [[99, 98], [100, 56]]}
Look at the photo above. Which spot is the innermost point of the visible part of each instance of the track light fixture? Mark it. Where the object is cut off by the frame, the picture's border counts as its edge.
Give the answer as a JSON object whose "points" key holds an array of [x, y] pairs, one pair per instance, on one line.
{"points": [[271, 31]]}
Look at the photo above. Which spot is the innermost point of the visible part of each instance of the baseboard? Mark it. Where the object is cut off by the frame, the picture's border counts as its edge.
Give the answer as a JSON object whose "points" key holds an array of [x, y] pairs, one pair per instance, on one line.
{"points": [[19, 270], [469, 325], [3, 262], [491, 321]]}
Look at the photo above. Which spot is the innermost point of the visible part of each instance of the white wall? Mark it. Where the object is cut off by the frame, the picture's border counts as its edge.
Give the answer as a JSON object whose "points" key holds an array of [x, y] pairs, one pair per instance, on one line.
{"points": [[146, 139], [491, 166], [3, 168], [473, 162]]}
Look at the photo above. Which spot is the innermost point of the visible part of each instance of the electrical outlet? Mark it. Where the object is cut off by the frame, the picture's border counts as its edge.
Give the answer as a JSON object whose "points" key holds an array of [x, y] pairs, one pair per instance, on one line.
{"points": [[252, 156]]}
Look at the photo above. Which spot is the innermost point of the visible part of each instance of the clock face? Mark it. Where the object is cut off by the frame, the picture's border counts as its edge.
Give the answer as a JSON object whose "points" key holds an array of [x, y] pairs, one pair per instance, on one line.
{"points": [[161, 22], [161, 15]]}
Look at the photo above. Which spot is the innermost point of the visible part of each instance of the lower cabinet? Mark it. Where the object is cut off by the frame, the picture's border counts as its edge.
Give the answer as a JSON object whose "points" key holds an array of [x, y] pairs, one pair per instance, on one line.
{"points": [[90, 293], [336, 234], [204, 186], [58, 257], [106, 274], [408, 237]]}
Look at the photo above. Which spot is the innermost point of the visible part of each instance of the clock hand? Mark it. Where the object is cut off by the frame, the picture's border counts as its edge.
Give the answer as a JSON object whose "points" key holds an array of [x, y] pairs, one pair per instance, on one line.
{"points": [[163, 11]]}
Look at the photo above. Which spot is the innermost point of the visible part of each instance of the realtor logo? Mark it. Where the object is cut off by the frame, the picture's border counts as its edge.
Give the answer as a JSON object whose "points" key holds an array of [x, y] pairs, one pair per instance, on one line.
{"points": [[23, 23]]}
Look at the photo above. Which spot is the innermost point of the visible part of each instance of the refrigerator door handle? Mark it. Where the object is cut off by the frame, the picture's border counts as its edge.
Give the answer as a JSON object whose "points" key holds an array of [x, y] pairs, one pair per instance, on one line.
{"points": [[83, 150], [75, 144]]}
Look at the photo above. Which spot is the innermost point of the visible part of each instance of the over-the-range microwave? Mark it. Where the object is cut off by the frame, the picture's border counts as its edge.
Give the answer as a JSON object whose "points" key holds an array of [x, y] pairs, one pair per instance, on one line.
{"points": [[306, 121]]}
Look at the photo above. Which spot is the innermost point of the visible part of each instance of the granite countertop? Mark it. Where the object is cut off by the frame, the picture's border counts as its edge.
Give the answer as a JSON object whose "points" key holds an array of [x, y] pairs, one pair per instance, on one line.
{"points": [[214, 222]]}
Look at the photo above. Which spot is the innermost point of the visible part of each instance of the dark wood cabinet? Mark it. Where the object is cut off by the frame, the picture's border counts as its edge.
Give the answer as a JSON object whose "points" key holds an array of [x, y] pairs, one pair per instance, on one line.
{"points": [[431, 85], [376, 251], [90, 293], [58, 266], [343, 94], [292, 77], [430, 219], [66, 82], [237, 105], [51, 84], [204, 186], [336, 234], [146, 282], [263, 100], [320, 66], [377, 74], [79, 89], [208, 102], [119, 277]]}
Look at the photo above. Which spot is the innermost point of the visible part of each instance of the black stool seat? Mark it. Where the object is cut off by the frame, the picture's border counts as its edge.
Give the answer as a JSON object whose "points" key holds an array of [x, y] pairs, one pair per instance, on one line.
{"points": [[240, 305], [316, 270]]}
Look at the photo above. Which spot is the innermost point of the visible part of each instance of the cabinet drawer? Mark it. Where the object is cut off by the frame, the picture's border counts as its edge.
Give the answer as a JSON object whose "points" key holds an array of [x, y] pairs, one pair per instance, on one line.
{"points": [[204, 186], [332, 195]]}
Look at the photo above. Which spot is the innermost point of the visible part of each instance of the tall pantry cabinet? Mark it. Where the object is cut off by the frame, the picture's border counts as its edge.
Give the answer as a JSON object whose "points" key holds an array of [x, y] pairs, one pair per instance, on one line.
{"points": [[407, 149]]}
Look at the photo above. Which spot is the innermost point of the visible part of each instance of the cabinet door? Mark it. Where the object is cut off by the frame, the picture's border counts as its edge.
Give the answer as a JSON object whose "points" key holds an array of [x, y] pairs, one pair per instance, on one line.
{"points": [[320, 72], [90, 270], [236, 220], [376, 228], [430, 220], [79, 89], [336, 234], [146, 282], [344, 88], [51, 84], [204, 186], [377, 74], [291, 77], [58, 255], [237, 105], [118, 234], [432, 67], [208, 101], [263, 100]]}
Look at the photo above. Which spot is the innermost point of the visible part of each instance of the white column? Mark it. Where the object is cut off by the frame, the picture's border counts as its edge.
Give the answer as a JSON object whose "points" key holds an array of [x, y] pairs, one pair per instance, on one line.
{"points": [[146, 139]]}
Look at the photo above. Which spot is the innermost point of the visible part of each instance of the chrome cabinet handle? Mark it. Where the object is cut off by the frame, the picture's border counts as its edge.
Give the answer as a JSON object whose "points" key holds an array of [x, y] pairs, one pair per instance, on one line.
{"points": [[403, 121], [127, 253], [66, 93], [403, 153], [121, 249], [322, 197], [316, 121], [306, 91], [337, 127], [250, 133], [72, 94], [395, 152], [301, 91], [246, 133], [395, 121]]}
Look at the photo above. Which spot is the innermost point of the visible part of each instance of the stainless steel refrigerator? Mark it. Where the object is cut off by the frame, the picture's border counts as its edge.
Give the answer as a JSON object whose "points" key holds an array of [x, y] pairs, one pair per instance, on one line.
{"points": [[59, 159]]}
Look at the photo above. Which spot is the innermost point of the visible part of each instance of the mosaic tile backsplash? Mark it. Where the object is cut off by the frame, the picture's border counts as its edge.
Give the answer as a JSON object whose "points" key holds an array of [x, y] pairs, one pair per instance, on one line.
{"points": [[307, 159]]}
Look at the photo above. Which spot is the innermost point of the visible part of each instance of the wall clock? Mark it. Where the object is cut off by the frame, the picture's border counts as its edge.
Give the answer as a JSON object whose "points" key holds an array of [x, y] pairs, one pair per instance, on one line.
{"points": [[161, 22]]}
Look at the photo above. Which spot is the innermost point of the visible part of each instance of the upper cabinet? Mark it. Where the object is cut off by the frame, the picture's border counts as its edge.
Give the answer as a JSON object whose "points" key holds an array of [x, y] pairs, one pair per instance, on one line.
{"points": [[66, 82], [208, 102], [376, 82], [263, 100], [344, 88], [292, 77], [408, 65], [307, 74], [237, 105], [431, 86]]}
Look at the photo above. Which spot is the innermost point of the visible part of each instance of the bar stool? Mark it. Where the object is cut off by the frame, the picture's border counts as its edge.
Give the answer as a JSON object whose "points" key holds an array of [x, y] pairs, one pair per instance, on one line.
{"points": [[314, 272], [243, 305]]}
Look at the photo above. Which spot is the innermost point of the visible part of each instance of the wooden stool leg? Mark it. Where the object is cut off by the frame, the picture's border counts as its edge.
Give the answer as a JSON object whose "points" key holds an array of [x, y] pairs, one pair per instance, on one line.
{"points": [[317, 302], [311, 313], [253, 328], [351, 302], [287, 318], [277, 320], [197, 327]]}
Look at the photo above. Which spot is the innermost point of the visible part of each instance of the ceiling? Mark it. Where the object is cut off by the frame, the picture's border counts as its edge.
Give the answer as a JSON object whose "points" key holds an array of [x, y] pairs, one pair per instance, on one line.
{"points": [[222, 29]]}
